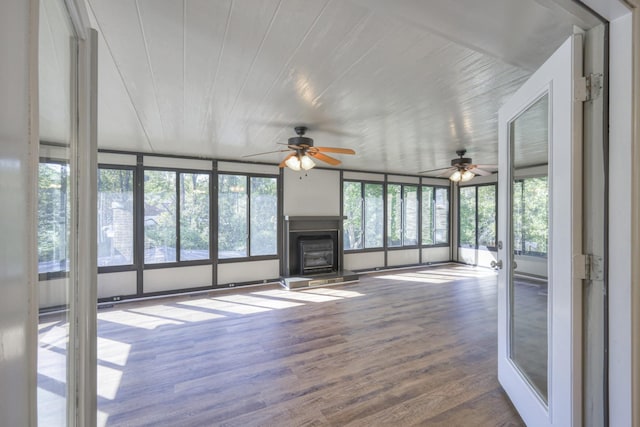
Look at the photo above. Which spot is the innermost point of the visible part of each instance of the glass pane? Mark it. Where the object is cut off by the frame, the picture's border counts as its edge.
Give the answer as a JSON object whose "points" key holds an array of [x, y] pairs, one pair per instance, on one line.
{"points": [[54, 215], [159, 216], [528, 343], [232, 216], [394, 215], [115, 217], [410, 219], [487, 217], [57, 205], [194, 216], [352, 208], [467, 217], [441, 222], [373, 216], [427, 216], [264, 216]]}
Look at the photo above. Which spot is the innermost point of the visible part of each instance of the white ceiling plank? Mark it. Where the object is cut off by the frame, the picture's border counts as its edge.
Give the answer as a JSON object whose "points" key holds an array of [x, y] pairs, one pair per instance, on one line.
{"points": [[162, 23], [205, 27], [119, 22]]}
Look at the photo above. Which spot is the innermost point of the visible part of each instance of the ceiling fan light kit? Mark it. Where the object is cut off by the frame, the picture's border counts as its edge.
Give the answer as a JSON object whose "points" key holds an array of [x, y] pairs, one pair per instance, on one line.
{"points": [[462, 169]]}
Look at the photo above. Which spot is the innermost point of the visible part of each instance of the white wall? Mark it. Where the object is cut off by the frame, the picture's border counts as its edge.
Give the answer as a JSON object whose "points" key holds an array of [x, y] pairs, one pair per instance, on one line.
{"points": [[238, 272], [18, 160], [316, 192]]}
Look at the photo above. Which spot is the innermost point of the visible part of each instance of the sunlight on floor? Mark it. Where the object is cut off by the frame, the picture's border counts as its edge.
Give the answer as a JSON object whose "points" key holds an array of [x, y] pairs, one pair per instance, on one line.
{"points": [[114, 352], [176, 313], [134, 319], [297, 296], [108, 382], [440, 275]]}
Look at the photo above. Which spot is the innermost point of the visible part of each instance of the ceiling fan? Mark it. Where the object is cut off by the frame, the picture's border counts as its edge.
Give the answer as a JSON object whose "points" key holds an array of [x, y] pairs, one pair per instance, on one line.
{"points": [[462, 169], [303, 151]]}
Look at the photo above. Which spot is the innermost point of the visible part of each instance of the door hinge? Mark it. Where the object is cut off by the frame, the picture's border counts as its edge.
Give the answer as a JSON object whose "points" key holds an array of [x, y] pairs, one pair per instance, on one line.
{"points": [[588, 267], [588, 88]]}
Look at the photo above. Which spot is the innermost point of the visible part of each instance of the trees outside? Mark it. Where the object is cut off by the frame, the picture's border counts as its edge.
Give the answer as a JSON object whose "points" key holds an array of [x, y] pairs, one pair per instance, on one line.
{"points": [[115, 216], [194, 216], [160, 210], [531, 215], [373, 215], [54, 217], [264, 216], [467, 216], [352, 209], [232, 216]]}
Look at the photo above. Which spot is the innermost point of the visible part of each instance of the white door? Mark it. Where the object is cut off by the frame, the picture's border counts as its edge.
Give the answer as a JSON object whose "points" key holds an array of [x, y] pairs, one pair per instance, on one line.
{"points": [[539, 282]]}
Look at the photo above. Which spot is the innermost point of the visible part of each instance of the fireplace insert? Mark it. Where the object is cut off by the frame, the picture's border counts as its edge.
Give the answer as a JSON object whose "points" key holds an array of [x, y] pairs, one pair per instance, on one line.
{"points": [[316, 255]]}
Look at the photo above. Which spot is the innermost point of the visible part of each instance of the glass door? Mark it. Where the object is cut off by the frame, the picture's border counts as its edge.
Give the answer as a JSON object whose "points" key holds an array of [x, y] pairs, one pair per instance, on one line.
{"points": [[539, 323]]}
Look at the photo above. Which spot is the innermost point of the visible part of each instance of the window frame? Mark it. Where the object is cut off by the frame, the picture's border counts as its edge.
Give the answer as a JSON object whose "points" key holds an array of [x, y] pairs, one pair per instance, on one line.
{"points": [[248, 257], [433, 215], [134, 265], [140, 234], [363, 184], [402, 216], [476, 186]]}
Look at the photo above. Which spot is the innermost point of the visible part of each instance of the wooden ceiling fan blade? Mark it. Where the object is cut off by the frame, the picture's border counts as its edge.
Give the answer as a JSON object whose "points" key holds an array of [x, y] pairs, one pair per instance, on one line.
{"points": [[283, 162], [327, 159], [266, 152], [335, 150]]}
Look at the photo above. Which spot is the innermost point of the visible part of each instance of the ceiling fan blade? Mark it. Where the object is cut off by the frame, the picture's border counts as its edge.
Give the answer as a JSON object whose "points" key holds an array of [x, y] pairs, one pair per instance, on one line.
{"points": [[325, 158], [435, 170], [447, 173], [486, 166], [266, 152], [283, 162], [334, 150], [479, 171], [293, 147]]}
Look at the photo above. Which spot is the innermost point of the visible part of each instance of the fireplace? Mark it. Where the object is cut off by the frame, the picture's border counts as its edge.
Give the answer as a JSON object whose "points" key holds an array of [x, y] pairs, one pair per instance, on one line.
{"points": [[313, 254], [313, 245], [316, 255]]}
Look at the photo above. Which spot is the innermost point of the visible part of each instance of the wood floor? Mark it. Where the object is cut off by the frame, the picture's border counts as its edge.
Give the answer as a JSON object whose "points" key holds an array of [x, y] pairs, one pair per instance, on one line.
{"points": [[411, 347], [406, 348]]}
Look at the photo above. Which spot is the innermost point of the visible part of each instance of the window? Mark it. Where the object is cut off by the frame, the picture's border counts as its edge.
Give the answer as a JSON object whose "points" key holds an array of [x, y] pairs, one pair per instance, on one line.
{"points": [[247, 216], [115, 216], [167, 216], [373, 216], [467, 217], [194, 216], [402, 215], [486, 216], [435, 215], [160, 213], [264, 216], [364, 208], [530, 216], [54, 216], [477, 216]]}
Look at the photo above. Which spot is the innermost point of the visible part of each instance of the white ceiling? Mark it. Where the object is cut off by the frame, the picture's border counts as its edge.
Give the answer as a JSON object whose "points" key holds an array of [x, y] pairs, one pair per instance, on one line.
{"points": [[405, 83]]}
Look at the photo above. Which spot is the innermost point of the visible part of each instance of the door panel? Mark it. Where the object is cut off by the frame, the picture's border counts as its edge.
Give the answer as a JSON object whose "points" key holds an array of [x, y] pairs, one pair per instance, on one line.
{"points": [[539, 324]]}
